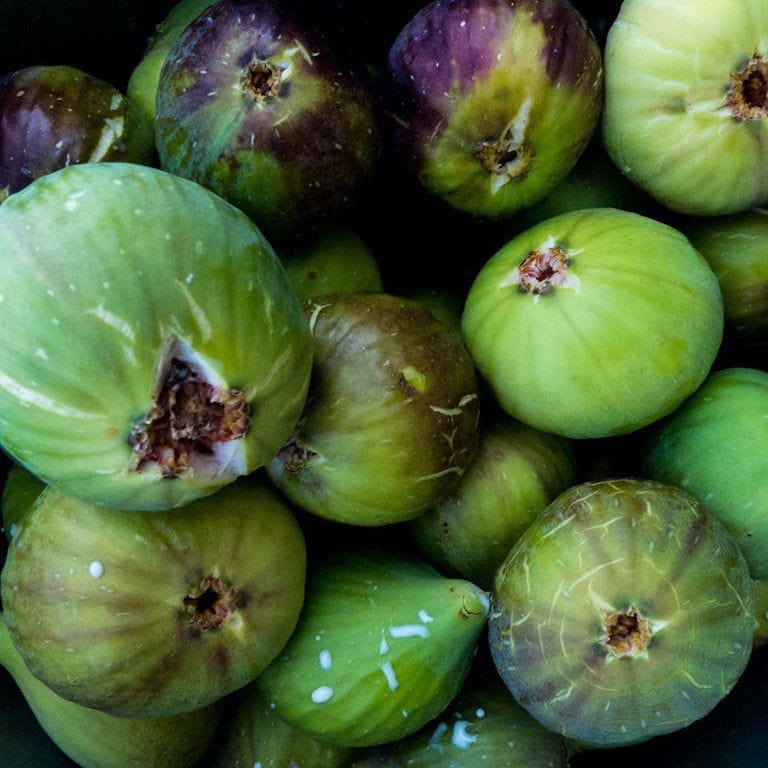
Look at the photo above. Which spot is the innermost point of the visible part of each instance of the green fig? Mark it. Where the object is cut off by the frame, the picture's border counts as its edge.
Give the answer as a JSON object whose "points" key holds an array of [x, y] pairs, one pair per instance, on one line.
{"points": [[152, 614], [95, 739], [392, 416], [252, 734], [383, 645], [20, 490], [625, 611], [151, 346]]}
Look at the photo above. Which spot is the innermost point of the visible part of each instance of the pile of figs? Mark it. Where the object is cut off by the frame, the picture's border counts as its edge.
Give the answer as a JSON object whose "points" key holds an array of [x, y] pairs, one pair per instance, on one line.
{"points": [[384, 385]]}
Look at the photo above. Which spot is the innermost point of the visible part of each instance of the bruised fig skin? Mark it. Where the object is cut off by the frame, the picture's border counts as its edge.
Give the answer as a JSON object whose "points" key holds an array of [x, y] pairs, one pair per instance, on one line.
{"points": [[154, 614], [493, 101], [256, 102], [625, 611], [94, 739], [392, 416], [52, 116]]}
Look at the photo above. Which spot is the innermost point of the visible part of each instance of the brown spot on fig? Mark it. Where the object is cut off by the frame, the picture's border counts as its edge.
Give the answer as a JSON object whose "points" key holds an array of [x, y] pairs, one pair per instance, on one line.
{"points": [[748, 91], [295, 454], [210, 604], [626, 633]]}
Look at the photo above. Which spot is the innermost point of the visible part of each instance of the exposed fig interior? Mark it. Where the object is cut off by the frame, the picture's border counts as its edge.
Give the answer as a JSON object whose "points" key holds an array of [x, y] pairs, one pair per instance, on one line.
{"points": [[211, 603], [295, 454], [542, 269], [748, 91], [627, 633], [262, 81], [190, 417]]}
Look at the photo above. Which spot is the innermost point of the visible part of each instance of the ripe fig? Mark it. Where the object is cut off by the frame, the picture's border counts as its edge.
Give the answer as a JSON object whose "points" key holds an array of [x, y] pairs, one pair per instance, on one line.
{"points": [[515, 473], [686, 102], [151, 346], [625, 611], [52, 116], [94, 739], [594, 323], [713, 445], [257, 102], [493, 101], [392, 417], [383, 645], [158, 613]]}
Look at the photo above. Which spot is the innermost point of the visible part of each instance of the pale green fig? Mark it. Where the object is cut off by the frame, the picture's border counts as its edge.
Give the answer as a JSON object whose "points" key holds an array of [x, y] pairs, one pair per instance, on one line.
{"points": [[594, 323], [686, 102], [761, 613], [516, 472], [251, 734], [157, 613], [94, 739], [383, 645], [624, 612], [151, 346], [20, 490]]}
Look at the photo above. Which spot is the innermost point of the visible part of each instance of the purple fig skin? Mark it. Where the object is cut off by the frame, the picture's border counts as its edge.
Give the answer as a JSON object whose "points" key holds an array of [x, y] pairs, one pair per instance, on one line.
{"points": [[258, 103], [53, 116], [493, 100]]}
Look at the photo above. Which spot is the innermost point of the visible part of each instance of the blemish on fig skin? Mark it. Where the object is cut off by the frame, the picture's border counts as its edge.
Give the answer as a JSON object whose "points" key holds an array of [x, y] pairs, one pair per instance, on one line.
{"points": [[541, 270], [210, 604], [748, 91], [295, 455]]}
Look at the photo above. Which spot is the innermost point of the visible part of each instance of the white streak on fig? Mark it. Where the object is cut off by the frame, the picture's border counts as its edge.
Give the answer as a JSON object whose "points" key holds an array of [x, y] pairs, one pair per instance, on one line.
{"points": [[424, 616], [461, 739], [434, 739], [198, 312], [112, 130], [409, 630], [384, 646], [322, 694], [96, 569], [389, 674], [113, 321], [29, 397], [325, 659]]}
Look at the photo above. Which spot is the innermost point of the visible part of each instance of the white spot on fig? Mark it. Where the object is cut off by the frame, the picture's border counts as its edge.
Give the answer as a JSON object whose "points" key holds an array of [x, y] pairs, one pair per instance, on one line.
{"points": [[322, 694], [325, 659], [41, 353], [461, 739], [424, 616], [480, 712], [96, 569], [434, 739], [389, 674], [409, 630], [383, 646]]}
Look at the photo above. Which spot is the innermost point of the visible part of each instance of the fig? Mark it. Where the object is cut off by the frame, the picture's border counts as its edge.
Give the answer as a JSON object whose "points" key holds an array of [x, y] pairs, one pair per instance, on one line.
{"points": [[686, 102], [625, 611], [152, 348], [251, 734], [492, 101], [20, 490], [392, 416], [257, 102], [516, 472], [143, 80], [94, 739], [158, 613], [484, 726], [594, 323], [383, 644], [334, 261], [713, 445], [52, 116]]}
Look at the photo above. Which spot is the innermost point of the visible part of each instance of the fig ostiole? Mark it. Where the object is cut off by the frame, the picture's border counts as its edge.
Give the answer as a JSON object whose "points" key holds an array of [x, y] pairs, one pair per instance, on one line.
{"points": [[594, 323], [383, 644], [492, 101], [392, 415], [625, 611], [157, 613], [152, 346], [95, 739]]}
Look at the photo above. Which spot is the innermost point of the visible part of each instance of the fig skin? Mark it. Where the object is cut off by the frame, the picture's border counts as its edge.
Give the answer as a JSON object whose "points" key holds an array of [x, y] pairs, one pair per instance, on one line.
{"points": [[594, 323], [138, 279], [624, 612], [713, 445], [392, 416], [686, 114], [154, 614], [492, 101], [52, 116], [20, 490], [383, 645], [256, 102], [94, 739]]}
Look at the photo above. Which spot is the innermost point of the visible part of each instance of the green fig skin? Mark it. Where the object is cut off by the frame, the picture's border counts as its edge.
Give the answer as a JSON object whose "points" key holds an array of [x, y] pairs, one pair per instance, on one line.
{"points": [[20, 490], [392, 416], [624, 612], [145, 301], [252, 734], [484, 726], [383, 645], [594, 323], [714, 447], [515, 473], [332, 262], [154, 614], [94, 739]]}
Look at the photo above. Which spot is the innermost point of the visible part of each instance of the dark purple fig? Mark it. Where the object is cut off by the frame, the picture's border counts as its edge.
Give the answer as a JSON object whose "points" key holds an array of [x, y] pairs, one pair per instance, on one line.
{"points": [[256, 102], [493, 100], [54, 116]]}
